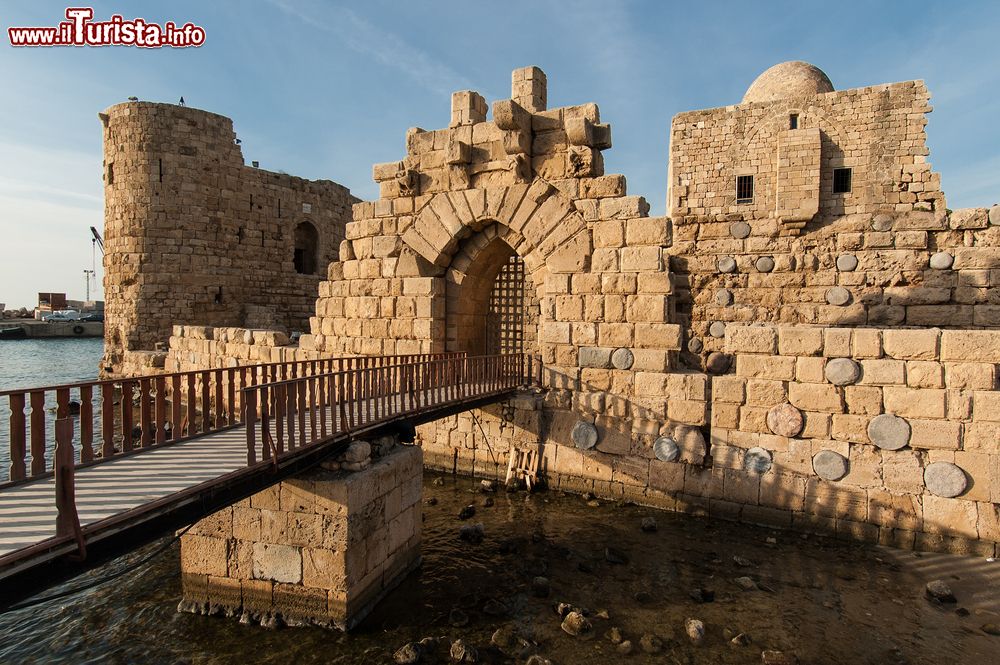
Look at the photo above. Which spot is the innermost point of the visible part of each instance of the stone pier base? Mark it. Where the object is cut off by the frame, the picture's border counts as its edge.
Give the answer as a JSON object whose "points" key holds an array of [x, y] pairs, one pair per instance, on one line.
{"points": [[320, 548]]}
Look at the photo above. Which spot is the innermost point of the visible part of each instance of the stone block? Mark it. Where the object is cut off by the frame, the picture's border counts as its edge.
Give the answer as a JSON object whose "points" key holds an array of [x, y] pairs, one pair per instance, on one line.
{"points": [[751, 339], [204, 555], [971, 376], [914, 403], [815, 397], [950, 517], [911, 344], [883, 372], [970, 345], [278, 563], [781, 368], [796, 341]]}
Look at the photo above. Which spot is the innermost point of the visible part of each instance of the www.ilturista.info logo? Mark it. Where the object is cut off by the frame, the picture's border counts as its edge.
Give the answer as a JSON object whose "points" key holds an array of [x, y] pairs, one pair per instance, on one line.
{"points": [[80, 30]]}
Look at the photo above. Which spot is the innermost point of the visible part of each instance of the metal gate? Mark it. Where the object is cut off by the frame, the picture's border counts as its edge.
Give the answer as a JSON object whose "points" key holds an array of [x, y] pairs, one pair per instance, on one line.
{"points": [[506, 315]]}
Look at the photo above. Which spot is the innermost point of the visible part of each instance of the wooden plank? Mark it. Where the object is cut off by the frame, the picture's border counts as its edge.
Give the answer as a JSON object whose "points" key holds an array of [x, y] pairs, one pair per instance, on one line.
{"points": [[128, 441], [86, 423], [220, 406], [206, 401], [175, 406], [192, 404], [107, 420], [160, 410], [251, 425], [18, 436], [37, 432], [145, 413]]}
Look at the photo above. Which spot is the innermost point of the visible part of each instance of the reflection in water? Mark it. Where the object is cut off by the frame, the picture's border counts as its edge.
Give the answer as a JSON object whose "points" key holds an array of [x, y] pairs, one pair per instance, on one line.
{"points": [[827, 601]]}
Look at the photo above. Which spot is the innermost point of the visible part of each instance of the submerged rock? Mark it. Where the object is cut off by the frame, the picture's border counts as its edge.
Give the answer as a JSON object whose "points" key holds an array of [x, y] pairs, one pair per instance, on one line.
{"points": [[774, 657], [700, 595], [576, 624], [740, 640], [467, 512], [614, 635], [408, 654], [938, 590], [650, 643], [695, 629], [745, 583], [461, 652], [540, 587], [624, 647], [615, 556], [472, 533], [458, 618], [648, 524]]}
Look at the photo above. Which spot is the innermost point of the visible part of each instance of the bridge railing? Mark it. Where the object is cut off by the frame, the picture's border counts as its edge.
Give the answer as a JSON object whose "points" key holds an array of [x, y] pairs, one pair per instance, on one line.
{"points": [[286, 415], [86, 423]]}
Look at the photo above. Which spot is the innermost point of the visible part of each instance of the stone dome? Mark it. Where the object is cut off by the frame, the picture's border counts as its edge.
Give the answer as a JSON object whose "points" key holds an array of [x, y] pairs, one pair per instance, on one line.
{"points": [[788, 79]]}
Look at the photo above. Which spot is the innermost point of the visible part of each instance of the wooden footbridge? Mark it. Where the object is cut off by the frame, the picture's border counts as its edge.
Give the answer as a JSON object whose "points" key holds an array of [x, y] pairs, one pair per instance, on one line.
{"points": [[97, 468]]}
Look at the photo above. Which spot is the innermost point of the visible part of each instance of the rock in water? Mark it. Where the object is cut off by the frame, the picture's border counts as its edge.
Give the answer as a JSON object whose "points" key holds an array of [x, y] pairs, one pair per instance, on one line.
{"points": [[576, 624], [458, 618], [648, 524], [615, 556], [463, 653], [408, 654], [624, 647], [488, 486], [740, 640], [540, 587], [467, 512], [651, 643], [700, 595], [614, 635], [695, 629], [745, 583], [772, 657], [472, 533], [939, 591]]}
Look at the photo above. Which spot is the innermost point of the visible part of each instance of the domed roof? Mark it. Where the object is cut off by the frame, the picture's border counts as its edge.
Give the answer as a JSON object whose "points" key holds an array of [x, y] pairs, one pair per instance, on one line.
{"points": [[788, 79]]}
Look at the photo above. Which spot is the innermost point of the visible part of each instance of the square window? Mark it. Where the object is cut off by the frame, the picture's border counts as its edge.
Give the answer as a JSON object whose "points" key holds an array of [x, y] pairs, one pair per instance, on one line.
{"points": [[841, 181], [793, 121], [744, 189]]}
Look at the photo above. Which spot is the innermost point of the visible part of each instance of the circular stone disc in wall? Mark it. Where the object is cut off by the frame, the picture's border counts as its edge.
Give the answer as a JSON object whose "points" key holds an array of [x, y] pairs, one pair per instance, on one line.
{"points": [[584, 435], [882, 222], [889, 432], [622, 358], [830, 465], [757, 460], [724, 297], [739, 230], [847, 262], [717, 329], [717, 363], [945, 479], [838, 296], [785, 420], [942, 261], [695, 345], [764, 264], [995, 215], [726, 264], [842, 371], [666, 450]]}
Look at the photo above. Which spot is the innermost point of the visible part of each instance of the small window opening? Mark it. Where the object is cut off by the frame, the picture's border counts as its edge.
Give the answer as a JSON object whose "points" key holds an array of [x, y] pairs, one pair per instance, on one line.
{"points": [[793, 121], [279, 208], [161, 170], [841, 181], [239, 234], [111, 173], [306, 247], [218, 296], [744, 189]]}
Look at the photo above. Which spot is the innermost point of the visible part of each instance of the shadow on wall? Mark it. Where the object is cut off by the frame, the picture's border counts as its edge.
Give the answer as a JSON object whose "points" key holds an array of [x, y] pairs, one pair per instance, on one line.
{"points": [[725, 481]]}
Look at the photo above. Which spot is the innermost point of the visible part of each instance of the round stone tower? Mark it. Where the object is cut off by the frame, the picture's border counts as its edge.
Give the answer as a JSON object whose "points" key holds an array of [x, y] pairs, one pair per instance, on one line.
{"points": [[163, 164]]}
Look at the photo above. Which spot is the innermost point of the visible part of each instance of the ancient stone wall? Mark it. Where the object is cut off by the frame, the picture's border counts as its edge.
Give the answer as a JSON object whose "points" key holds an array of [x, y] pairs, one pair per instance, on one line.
{"points": [[194, 236], [630, 310], [321, 548], [887, 435]]}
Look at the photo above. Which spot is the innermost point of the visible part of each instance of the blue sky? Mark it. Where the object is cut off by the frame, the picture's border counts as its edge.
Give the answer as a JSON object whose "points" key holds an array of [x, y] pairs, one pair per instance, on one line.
{"points": [[325, 89]]}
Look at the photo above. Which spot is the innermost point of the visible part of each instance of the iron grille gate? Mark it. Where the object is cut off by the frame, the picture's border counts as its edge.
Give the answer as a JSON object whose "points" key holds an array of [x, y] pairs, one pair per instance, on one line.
{"points": [[505, 319]]}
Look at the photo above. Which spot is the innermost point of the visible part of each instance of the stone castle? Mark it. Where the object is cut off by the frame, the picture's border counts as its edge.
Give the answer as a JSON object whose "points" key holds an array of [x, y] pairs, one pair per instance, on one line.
{"points": [[809, 340]]}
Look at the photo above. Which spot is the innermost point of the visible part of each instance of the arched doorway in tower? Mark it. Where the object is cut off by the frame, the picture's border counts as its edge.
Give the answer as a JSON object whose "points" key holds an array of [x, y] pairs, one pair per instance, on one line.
{"points": [[492, 304]]}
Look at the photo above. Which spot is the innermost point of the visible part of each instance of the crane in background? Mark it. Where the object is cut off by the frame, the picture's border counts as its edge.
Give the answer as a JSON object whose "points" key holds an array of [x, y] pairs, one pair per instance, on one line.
{"points": [[95, 242]]}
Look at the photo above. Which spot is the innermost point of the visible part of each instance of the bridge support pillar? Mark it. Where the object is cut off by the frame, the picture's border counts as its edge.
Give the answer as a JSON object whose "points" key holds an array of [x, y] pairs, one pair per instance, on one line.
{"points": [[320, 548]]}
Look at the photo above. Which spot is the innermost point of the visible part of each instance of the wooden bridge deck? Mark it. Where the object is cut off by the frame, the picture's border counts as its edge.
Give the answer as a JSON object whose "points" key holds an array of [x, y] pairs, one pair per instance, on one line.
{"points": [[124, 497], [28, 513]]}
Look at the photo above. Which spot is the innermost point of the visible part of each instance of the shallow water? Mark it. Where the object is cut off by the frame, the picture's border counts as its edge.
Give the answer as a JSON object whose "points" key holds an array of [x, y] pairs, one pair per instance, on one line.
{"points": [[826, 601]]}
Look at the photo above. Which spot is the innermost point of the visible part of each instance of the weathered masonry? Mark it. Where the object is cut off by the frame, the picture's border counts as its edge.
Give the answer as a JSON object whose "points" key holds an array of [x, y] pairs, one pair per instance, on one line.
{"points": [[194, 235], [810, 340]]}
